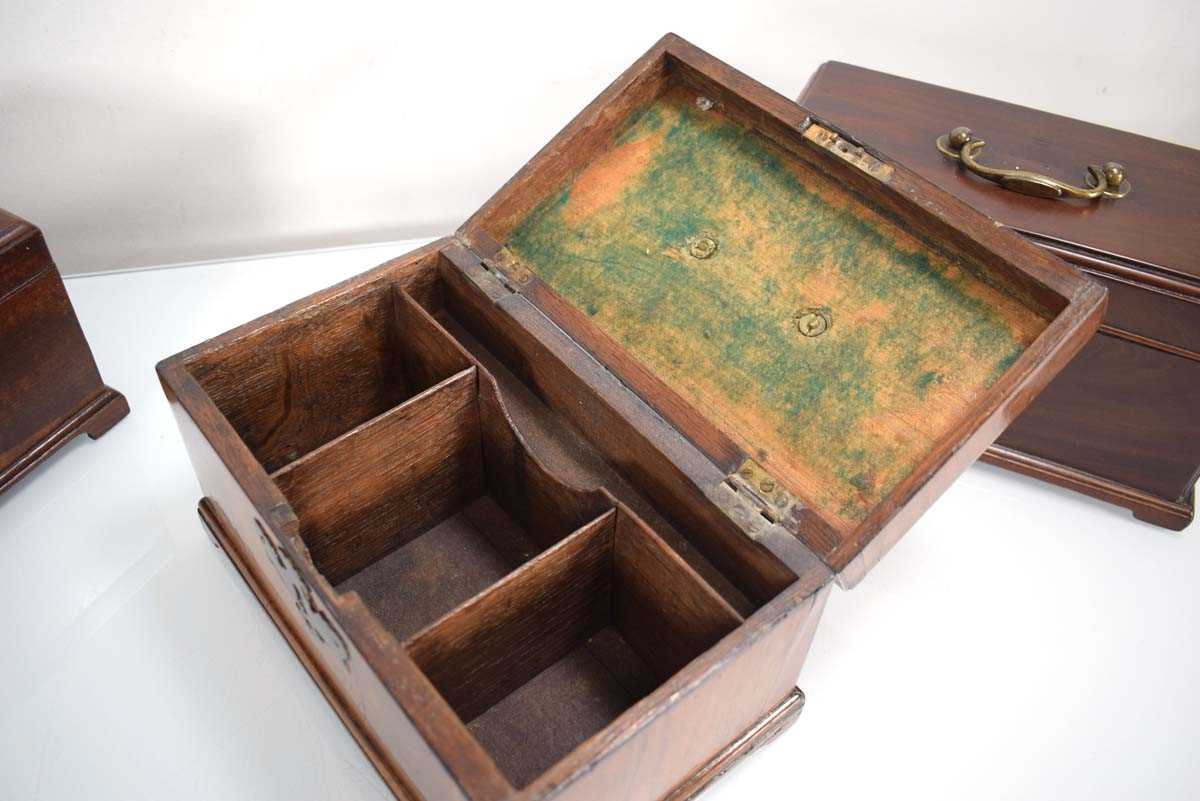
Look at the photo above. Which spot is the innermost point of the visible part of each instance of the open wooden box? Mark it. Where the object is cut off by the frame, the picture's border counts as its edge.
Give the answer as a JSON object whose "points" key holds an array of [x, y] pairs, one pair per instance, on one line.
{"points": [[552, 507]]}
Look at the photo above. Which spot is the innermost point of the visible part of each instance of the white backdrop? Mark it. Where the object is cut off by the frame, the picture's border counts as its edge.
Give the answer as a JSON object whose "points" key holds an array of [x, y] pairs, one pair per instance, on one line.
{"points": [[145, 133]]}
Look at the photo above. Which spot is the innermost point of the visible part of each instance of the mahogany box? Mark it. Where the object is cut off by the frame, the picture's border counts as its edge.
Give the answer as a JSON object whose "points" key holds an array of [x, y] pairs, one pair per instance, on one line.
{"points": [[50, 389], [1121, 422], [551, 507]]}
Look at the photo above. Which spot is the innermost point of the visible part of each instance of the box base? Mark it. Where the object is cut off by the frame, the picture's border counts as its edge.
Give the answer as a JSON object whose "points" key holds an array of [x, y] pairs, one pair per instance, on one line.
{"points": [[94, 418], [1174, 515], [763, 731]]}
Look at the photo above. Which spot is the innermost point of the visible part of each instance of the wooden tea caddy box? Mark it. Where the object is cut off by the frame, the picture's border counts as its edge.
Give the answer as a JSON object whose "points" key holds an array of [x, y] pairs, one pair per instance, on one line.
{"points": [[552, 507], [50, 388], [1121, 423]]}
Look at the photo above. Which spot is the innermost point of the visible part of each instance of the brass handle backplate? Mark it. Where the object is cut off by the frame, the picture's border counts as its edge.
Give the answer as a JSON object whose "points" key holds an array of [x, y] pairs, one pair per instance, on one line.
{"points": [[1107, 181]]}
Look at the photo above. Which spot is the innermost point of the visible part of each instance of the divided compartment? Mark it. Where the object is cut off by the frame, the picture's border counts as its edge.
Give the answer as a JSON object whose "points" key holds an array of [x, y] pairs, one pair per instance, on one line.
{"points": [[559, 649], [432, 501], [298, 383]]}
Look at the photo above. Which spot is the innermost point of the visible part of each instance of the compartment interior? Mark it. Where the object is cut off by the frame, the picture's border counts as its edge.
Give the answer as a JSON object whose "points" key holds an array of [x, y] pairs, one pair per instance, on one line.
{"points": [[292, 386], [559, 649], [542, 590], [431, 501]]}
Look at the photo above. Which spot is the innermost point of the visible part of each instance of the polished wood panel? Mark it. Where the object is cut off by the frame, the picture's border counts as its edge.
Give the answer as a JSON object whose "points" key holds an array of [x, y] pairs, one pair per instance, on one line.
{"points": [[1094, 418], [1160, 319], [1154, 225], [50, 388]]}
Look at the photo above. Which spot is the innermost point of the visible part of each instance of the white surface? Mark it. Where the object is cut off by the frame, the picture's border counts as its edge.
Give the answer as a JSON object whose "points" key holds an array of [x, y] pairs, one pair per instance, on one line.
{"points": [[143, 133], [1020, 642]]}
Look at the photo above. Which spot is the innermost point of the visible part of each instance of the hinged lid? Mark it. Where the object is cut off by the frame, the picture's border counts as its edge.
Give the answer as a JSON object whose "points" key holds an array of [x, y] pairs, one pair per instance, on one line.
{"points": [[1154, 229], [837, 336]]}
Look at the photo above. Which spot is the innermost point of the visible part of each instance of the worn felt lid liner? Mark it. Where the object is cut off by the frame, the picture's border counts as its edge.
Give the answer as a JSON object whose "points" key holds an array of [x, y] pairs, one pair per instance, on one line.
{"points": [[840, 350], [1156, 224]]}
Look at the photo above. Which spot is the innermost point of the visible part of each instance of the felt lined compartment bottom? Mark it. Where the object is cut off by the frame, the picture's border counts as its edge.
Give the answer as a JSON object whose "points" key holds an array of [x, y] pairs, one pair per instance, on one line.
{"points": [[458, 557], [533, 727], [557, 650], [832, 343]]}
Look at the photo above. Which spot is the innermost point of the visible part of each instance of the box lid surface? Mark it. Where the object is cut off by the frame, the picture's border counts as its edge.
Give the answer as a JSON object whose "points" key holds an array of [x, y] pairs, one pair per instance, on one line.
{"points": [[21, 258], [1155, 228], [839, 337]]}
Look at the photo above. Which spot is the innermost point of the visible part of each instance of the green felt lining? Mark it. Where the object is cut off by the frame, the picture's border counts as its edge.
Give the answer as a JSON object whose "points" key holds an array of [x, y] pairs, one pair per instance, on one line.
{"points": [[913, 338]]}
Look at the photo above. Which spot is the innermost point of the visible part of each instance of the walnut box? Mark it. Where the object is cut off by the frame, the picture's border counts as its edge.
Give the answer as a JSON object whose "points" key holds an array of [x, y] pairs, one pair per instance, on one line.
{"points": [[551, 507]]}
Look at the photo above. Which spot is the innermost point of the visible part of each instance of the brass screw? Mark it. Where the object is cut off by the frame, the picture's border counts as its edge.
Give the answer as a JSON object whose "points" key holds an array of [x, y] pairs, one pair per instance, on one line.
{"points": [[702, 247], [812, 322], [767, 485]]}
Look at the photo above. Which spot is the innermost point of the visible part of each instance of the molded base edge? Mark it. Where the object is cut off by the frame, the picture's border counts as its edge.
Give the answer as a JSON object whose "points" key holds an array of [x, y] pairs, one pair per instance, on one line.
{"points": [[1175, 515], [94, 418]]}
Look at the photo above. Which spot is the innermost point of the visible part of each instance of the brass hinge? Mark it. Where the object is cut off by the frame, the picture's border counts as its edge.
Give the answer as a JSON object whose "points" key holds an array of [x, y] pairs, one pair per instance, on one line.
{"points": [[848, 150], [766, 512], [763, 493], [756, 502], [508, 269]]}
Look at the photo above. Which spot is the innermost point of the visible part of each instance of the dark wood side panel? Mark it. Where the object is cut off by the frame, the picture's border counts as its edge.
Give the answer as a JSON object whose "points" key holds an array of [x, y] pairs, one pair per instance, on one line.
{"points": [[1171, 320], [23, 254], [46, 369], [502, 638], [1122, 411], [660, 605], [381, 484]]}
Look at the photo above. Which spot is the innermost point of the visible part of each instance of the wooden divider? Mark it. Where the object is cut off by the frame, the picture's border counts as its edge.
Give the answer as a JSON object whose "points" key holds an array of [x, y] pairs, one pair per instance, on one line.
{"points": [[612, 574], [661, 606], [502, 638], [379, 485]]}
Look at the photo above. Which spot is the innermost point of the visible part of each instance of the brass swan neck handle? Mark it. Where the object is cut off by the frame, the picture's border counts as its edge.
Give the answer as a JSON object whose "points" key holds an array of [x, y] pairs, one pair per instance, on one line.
{"points": [[1108, 181]]}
